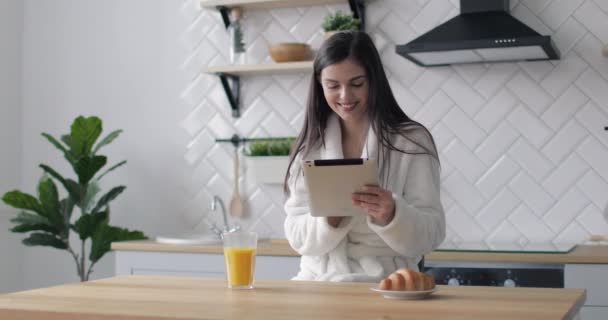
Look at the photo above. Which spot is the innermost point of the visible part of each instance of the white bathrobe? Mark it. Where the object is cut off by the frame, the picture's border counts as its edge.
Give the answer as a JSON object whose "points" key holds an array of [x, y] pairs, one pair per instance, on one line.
{"points": [[358, 249]]}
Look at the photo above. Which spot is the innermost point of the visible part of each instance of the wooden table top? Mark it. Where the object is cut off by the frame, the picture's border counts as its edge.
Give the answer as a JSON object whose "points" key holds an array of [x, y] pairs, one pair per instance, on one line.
{"points": [[162, 297]]}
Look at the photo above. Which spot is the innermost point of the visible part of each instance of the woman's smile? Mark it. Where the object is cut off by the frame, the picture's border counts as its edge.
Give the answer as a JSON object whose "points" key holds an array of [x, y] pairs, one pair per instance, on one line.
{"points": [[348, 107], [346, 90]]}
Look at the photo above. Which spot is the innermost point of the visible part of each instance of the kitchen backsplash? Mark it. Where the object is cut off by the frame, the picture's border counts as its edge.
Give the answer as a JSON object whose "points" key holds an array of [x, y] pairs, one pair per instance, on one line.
{"points": [[523, 151]]}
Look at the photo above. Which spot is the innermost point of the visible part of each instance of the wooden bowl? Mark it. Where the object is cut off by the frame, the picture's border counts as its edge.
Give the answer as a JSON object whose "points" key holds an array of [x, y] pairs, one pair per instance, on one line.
{"points": [[290, 51]]}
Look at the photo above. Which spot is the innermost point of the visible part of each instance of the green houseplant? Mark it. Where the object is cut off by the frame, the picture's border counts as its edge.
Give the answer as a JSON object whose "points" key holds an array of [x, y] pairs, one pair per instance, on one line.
{"points": [[270, 147], [339, 21], [267, 159], [48, 219]]}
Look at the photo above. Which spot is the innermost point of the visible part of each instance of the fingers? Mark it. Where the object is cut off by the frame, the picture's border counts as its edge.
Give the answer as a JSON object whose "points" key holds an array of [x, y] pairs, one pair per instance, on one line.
{"points": [[377, 202], [373, 189], [366, 198], [369, 206]]}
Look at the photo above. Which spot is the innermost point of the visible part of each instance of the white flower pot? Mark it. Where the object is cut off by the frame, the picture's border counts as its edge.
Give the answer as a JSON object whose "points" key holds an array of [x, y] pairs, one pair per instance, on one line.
{"points": [[267, 169]]}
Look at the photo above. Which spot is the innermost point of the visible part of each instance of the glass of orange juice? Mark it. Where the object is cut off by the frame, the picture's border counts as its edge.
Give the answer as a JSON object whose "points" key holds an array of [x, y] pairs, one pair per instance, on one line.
{"points": [[239, 253]]}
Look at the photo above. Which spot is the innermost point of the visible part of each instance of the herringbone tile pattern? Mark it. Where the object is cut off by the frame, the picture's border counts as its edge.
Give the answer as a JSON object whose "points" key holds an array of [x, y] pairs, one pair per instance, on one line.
{"points": [[523, 150]]}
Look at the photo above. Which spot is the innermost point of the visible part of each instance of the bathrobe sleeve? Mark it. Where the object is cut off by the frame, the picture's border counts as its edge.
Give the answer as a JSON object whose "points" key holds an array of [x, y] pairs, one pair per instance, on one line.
{"points": [[419, 223], [310, 236]]}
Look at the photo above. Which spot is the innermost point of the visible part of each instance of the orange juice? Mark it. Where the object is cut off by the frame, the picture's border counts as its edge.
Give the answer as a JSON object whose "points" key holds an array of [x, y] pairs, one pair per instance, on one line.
{"points": [[240, 266]]}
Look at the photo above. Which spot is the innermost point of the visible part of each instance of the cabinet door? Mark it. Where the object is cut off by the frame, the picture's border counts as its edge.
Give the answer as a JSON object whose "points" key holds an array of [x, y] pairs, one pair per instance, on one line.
{"points": [[200, 265], [276, 268], [170, 263], [591, 277], [593, 313]]}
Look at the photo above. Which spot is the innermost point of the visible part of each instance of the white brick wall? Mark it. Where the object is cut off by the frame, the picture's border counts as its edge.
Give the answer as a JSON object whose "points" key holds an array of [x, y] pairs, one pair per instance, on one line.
{"points": [[524, 153]]}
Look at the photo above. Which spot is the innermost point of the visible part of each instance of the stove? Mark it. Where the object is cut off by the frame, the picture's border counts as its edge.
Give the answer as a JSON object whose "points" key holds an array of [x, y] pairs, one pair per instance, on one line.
{"points": [[547, 247], [540, 275]]}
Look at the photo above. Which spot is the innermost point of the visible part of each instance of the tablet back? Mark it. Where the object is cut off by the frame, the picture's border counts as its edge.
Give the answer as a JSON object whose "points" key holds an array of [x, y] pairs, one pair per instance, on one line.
{"points": [[331, 184]]}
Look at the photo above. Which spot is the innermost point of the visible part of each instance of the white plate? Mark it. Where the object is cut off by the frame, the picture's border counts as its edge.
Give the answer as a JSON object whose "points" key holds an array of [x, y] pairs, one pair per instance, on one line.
{"points": [[404, 295]]}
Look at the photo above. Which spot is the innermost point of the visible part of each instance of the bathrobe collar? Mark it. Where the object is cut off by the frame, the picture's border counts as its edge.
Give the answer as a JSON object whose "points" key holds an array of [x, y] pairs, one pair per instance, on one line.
{"points": [[333, 141]]}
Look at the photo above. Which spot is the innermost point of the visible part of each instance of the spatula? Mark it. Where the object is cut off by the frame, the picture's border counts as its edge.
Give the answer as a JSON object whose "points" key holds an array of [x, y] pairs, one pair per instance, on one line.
{"points": [[236, 205]]}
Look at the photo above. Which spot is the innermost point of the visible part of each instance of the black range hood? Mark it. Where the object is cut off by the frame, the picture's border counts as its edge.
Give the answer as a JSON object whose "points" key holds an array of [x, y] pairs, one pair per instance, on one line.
{"points": [[483, 32]]}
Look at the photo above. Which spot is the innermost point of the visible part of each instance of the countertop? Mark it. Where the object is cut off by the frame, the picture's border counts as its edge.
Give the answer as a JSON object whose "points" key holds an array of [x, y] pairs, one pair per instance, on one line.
{"points": [[162, 297], [280, 247]]}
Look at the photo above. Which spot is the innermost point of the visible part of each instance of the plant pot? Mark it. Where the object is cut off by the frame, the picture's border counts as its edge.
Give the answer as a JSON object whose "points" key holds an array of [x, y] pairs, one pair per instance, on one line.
{"points": [[267, 169]]}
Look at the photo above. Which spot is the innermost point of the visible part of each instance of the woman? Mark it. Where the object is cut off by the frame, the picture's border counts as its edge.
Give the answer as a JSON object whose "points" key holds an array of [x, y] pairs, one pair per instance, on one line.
{"points": [[352, 113]]}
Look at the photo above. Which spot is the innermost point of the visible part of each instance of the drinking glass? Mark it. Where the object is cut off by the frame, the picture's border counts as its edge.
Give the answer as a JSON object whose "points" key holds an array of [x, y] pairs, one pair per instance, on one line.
{"points": [[239, 253]]}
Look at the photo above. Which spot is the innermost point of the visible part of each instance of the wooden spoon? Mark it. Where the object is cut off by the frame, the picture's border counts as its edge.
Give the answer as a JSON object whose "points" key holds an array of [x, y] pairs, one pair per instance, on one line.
{"points": [[236, 205]]}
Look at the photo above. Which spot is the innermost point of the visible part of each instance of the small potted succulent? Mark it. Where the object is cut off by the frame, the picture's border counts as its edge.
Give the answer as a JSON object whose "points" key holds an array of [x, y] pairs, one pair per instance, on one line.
{"points": [[267, 159], [339, 21]]}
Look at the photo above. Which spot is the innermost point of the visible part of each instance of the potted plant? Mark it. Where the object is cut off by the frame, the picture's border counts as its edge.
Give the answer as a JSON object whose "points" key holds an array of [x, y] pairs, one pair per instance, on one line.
{"points": [[48, 217], [339, 21], [267, 159]]}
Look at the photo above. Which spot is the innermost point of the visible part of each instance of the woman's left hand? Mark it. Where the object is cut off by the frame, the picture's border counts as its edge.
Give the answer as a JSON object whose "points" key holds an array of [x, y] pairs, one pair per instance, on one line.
{"points": [[377, 202]]}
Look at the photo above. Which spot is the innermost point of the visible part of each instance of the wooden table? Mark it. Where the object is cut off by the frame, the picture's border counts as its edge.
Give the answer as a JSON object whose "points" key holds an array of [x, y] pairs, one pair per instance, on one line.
{"points": [[159, 297]]}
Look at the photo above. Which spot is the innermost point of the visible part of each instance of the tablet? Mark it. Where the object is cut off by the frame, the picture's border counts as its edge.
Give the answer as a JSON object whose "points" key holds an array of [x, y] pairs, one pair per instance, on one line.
{"points": [[332, 182]]}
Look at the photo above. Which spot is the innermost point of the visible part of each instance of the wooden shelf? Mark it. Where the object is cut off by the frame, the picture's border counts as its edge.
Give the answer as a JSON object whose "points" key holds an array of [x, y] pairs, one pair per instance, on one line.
{"points": [[265, 4], [261, 69], [233, 73]]}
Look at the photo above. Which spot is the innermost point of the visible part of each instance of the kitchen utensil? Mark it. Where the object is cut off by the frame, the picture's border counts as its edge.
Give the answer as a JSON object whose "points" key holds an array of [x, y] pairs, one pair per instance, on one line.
{"points": [[290, 51], [236, 204]]}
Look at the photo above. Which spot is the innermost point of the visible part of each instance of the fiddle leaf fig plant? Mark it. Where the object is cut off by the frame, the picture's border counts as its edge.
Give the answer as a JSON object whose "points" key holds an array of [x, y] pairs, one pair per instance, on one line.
{"points": [[48, 217]]}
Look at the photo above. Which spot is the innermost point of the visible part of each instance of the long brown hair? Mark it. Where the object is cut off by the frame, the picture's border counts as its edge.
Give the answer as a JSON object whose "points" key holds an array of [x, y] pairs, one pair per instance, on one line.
{"points": [[386, 117]]}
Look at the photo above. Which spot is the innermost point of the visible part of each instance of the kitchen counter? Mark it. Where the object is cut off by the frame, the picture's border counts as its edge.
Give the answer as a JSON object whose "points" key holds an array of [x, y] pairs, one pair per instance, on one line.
{"points": [[159, 297], [280, 247], [266, 247]]}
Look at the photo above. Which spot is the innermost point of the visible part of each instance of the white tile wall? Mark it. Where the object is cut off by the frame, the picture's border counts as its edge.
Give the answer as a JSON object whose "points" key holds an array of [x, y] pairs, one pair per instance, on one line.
{"points": [[524, 154]]}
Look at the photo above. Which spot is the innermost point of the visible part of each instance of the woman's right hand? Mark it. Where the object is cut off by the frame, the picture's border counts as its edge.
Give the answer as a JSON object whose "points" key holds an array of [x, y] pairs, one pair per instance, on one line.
{"points": [[334, 221]]}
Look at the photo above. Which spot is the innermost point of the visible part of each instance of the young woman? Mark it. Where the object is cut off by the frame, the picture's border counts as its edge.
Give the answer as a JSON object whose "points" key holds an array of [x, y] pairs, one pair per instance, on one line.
{"points": [[352, 113]]}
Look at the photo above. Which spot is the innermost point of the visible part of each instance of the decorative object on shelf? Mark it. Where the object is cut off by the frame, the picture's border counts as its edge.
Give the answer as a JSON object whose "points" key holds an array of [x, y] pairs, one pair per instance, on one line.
{"points": [[339, 21], [236, 204], [237, 38], [605, 51], [230, 79], [49, 218], [268, 159], [290, 51]]}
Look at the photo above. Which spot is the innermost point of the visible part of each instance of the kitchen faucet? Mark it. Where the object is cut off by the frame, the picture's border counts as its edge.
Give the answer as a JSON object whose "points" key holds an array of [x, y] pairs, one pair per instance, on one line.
{"points": [[227, 227]]}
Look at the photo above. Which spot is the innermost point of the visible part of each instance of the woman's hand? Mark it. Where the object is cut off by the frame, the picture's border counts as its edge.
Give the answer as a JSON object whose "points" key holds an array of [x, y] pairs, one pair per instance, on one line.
{"points": [[377, 202]]}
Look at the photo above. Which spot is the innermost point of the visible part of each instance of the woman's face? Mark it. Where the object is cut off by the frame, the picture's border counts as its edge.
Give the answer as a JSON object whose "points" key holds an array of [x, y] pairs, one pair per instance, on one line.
{"points": [[346, 88]]}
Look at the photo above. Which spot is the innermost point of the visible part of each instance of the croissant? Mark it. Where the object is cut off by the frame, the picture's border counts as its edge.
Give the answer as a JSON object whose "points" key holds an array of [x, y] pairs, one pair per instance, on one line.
{"points": [[407, 279]]}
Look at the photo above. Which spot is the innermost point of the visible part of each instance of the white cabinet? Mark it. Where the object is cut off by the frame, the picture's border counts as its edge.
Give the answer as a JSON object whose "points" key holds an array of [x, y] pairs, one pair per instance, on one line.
{"points": [[200, 264], [593, 278]]}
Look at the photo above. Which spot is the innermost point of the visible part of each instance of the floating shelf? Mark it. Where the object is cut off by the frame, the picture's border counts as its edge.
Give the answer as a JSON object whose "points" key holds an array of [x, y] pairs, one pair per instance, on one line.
{"points": [[224, 6], [266, 4], [233, 73], [261, 69]]}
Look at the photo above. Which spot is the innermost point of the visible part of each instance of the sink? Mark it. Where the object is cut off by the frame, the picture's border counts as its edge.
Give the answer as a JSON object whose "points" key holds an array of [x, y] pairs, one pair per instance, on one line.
{"points": [[189, 239]]}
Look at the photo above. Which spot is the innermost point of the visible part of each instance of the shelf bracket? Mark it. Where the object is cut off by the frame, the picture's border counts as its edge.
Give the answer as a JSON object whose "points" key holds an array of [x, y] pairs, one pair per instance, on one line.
{"points": [[233, 93], [358, 9], [225, 12]]}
